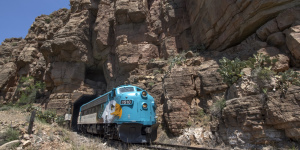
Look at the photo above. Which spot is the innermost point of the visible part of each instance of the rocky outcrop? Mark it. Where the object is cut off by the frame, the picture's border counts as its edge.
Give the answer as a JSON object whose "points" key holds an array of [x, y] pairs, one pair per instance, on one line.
{"points": [[97, 45], [179, 92], [261, 119], [184, 86], [293, 41], [229, 22]]}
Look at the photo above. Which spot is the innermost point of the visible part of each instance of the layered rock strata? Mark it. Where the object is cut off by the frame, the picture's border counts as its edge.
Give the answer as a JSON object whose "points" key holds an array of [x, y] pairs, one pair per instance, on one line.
{"points": [[99, 44]]}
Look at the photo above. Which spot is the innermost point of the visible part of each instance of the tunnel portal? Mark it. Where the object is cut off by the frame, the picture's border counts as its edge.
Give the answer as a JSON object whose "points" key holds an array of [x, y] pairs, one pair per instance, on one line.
{"points": [[76, 107]]}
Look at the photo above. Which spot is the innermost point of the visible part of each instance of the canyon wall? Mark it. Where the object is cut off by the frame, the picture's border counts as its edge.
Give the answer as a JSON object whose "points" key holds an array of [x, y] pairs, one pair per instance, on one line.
{"points": [[99, 44]]}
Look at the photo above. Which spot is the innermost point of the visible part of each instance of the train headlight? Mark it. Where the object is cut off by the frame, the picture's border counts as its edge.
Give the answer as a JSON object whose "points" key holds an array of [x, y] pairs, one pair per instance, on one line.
{"points": [[144, 93], [145, 106]]}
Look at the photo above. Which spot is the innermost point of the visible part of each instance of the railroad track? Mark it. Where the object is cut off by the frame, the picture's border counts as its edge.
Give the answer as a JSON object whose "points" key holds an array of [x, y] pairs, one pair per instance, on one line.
{"points": [[154, 145], [162, 146]]}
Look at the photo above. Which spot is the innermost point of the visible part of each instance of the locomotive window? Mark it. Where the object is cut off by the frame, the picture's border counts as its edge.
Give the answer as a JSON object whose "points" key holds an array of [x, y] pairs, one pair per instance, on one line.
{"points": [[138, 89], [126, 89]]}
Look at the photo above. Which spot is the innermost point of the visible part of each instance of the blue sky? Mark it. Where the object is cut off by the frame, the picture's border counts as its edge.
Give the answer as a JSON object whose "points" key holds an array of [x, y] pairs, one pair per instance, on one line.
{"points": [[16, 16]]}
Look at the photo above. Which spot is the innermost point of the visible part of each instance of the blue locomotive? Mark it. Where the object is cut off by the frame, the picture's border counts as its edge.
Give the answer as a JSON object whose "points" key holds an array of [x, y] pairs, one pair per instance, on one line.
{"points": [[126, 113]]}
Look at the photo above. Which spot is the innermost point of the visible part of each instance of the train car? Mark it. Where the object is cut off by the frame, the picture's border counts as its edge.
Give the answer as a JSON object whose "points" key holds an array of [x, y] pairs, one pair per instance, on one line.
{"points": [[126, 113]]}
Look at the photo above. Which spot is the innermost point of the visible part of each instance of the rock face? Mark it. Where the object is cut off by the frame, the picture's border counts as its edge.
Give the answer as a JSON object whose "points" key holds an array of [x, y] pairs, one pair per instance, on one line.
{"points": [[293, 41], [179, 92], [259, 119], [97, 45], [229, 22]]}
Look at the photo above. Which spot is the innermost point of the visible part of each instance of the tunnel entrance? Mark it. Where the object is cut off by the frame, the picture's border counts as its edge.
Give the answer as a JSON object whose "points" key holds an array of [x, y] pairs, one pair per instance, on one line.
{"points": [[76, 107], [94, 78]]}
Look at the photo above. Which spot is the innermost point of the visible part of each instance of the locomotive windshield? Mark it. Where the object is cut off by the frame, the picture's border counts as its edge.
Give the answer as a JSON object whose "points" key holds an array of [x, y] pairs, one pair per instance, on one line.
{"points": [[126, 89]]}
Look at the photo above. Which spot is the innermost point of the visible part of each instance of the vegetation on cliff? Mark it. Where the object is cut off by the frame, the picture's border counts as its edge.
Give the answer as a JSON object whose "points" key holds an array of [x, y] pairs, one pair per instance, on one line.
{"points": [[261, 69]]}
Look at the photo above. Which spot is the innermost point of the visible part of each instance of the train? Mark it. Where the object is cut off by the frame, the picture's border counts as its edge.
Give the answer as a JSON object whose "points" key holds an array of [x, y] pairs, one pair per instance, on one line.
{"points": [[126, 113]]}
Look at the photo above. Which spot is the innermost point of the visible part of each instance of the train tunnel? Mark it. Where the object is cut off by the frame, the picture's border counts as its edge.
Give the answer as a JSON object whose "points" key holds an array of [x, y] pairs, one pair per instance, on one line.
{"points": [[76, 107], [92, 76]]}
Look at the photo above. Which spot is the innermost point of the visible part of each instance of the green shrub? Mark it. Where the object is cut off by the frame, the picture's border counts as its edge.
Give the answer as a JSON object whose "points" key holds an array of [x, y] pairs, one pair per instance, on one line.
{"points": [[263, 74], [48, 116], [5, 107], [11, 134], [28, 90], [202, 118], [260, 61], [189, 123], [178, 60], [261, 66], [60, 120], [157, 71], [14, 44], [286, 78], [217, 107], [47, 20], [201, 113], [231, 70], [150, 84]]}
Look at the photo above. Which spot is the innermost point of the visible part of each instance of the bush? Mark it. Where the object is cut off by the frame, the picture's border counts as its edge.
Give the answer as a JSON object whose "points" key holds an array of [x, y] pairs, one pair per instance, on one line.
{"points": [[60, 120], [48, 116], [287, 78], [189, 123], [217, 107], [5, 107], [203, 118], [47, 20], [157, 71], [11, 134], [150, 84], [263, 74], [261, 65], [231, 70], [28, 90], [260, 61], [178, 60]]}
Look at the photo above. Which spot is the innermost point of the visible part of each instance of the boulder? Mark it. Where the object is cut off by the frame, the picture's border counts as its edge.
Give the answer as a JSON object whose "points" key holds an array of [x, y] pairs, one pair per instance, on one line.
{"points": [[276, 39], [265, 30], [293, 41], [26, 144]]}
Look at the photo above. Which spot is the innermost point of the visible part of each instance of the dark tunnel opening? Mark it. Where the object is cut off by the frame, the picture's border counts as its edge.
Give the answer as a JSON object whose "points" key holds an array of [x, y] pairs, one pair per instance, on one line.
{"points": [[76, 107], [94, 78]]}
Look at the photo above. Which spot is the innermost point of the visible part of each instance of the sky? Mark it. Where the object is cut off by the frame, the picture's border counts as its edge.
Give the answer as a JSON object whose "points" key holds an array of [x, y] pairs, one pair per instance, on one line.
{"points": [[16, 16]]}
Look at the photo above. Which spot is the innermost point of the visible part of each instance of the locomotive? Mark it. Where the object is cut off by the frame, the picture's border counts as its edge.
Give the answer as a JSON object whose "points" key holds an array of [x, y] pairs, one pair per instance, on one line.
{"points": [[126, 113]]}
